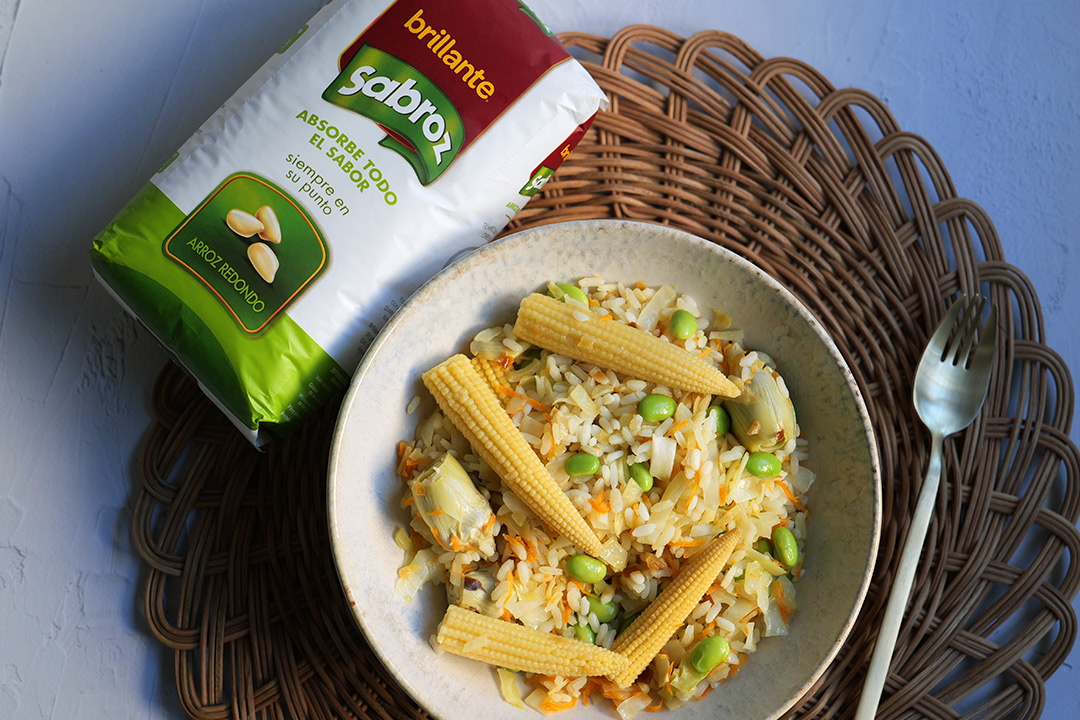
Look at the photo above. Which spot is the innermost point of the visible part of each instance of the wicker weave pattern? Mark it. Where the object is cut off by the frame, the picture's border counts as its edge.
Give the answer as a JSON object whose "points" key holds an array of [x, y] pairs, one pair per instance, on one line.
{"points": [[860, 220]]}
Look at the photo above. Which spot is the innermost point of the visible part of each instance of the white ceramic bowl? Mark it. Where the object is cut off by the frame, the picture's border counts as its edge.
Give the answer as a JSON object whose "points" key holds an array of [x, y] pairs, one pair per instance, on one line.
{"points": [[484, 288]]}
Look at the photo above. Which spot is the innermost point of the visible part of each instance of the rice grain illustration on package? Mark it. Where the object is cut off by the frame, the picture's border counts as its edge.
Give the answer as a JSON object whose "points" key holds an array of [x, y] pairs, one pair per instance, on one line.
{"points": [[380, 141]]}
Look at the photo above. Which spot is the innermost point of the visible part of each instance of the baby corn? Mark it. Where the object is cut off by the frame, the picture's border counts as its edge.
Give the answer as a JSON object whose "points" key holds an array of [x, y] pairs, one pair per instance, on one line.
{"points": [[492, 371], [655, 625], [579, 334], [509, 645], [472, 406]]}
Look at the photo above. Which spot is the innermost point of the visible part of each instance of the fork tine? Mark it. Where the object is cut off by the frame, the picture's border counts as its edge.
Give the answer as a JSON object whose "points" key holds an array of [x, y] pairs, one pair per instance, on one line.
{"points": [[936, 344], [965, 337]]}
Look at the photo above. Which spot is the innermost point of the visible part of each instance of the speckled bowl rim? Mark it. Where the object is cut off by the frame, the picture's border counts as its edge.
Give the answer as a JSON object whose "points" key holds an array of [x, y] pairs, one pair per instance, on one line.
{"points": [[460, 265]]}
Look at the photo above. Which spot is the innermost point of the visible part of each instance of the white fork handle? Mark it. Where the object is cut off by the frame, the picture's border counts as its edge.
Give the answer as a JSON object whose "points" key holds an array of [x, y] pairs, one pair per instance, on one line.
{"points": [[901, 589]]}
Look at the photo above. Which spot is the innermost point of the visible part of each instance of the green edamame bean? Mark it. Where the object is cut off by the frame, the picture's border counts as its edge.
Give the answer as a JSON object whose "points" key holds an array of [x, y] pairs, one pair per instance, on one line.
{"points": [[709, 653], [787, 549], [586, 568], [604, 611], [683, 324], [723, 420], [763, 546], [581, 464], [656, 407], [572, 291], [640, 474], [763, 464], [584, 633]]}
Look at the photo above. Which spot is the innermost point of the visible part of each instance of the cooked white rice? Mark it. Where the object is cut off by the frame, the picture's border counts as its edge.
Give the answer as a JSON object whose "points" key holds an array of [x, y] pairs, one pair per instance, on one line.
{"points": [[702, 489]]}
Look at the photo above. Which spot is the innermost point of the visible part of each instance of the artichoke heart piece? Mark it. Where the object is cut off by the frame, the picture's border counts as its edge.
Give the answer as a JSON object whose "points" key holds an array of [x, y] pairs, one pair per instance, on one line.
{"points": [[474, 593], [459, 517], [762, 417]]}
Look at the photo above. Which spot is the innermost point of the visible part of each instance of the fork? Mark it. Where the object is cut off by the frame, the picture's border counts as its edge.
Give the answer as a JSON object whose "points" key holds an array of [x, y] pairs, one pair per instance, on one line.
{"points": [[950, 387]]}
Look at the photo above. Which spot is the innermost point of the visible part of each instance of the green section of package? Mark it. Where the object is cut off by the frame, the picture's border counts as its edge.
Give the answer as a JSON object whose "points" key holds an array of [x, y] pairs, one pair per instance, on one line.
{"points": [[268, 381]]}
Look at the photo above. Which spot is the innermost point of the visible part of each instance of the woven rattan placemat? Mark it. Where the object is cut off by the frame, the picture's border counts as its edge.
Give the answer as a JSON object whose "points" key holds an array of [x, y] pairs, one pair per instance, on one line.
{"points": [[860, 220]]}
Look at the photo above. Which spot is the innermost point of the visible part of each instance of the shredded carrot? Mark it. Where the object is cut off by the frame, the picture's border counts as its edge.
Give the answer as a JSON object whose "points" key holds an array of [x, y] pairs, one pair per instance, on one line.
{"points": [[676, 428], [708, 689], [687, 543], [594, 303], [437, 512], [709, 348], [506, 615], [531, 401], [748, 615], [401, 449], [418, 489], [550, 706], [590, 685], [658, 706], [791, 496], [598, 503], [510, 593], [530, 551], [694, 487], [489, 524], [408, 501], [725, 366], [409, 466], [517, 540], [505, 360], [567, 612], [723, 494]]}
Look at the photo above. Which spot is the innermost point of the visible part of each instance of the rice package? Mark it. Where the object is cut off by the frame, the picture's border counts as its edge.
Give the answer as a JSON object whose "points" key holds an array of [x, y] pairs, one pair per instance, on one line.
{"points": [[383, 139]]}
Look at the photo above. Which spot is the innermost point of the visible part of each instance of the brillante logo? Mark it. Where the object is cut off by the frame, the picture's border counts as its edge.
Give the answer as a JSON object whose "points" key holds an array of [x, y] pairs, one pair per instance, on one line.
{"points": [[422, 124]]}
